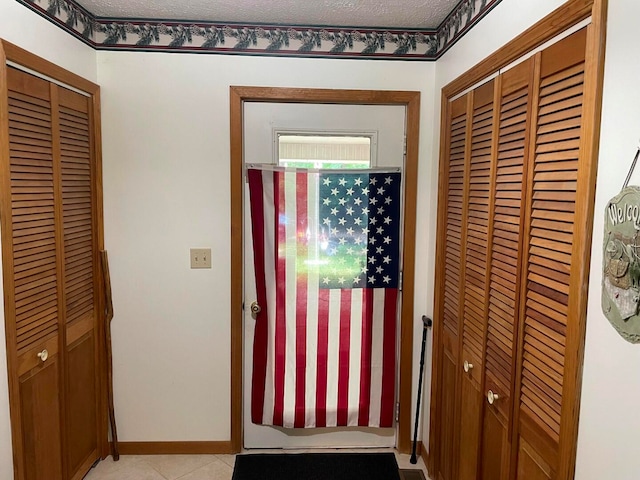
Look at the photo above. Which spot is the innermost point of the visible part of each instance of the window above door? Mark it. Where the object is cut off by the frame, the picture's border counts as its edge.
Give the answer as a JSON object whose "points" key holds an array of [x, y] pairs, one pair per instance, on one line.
{"points": [[325, 150]]}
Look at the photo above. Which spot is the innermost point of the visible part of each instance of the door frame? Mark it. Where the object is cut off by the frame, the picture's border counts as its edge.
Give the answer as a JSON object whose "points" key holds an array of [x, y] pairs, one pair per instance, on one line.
{"points": [[563, 18], [238, 95], [12, 54]]}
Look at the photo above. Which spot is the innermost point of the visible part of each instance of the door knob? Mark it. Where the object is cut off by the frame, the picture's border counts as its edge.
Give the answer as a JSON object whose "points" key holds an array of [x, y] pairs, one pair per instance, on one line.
{"points": [[492, 397], [43, 355], [255, 308], [467, 366]]}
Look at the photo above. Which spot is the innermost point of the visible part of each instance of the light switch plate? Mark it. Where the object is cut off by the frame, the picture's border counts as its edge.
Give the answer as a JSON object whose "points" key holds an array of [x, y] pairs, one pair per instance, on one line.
{"points": [[200, 258]]}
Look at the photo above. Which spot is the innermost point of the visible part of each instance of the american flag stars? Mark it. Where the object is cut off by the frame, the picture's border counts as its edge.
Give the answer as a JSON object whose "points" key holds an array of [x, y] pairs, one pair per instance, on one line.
{"points": [[359, 216]]}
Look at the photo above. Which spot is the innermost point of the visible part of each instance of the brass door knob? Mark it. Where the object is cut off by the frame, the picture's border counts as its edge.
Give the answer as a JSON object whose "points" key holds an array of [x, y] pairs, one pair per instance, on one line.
{"points": [[492, 397], [255, 308], [467, 366], [43, 355]]}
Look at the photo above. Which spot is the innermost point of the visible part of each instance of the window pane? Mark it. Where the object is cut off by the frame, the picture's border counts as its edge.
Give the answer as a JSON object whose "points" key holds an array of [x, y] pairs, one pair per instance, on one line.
{"points": [[324, 151]]}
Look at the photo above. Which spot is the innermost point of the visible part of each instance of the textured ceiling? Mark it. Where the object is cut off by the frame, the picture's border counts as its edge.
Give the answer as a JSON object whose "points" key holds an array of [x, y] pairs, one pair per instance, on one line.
{"points": [[423, 14]]}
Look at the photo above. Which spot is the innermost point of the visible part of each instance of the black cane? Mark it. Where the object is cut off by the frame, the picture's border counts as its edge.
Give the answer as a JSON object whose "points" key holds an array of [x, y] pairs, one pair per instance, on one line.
{"points": [[427, 322]]}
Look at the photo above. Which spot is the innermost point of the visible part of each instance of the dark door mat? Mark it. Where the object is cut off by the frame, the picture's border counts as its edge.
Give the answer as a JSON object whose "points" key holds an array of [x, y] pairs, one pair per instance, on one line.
{"points": [[412, 475], [316, 466]]}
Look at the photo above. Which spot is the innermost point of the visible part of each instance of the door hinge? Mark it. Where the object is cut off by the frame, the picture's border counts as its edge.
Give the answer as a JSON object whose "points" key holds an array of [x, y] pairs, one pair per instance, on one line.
{"points": [[405, 145], [397, 411]]}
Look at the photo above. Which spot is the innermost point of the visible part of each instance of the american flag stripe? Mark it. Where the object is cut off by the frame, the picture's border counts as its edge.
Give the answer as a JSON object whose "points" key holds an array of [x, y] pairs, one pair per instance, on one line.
{"points": [[322, 356], [289, 189], [260, 341], [281, 302], [313, 287], [354, 356], [365, 362], [301, 300], [333, 317], [268, 322], [343, 355], [389, 358], [376, 357]]}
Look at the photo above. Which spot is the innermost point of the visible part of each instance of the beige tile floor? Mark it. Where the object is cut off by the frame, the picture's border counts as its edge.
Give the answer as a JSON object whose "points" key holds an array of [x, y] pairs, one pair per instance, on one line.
{"points": [[193, 467]]}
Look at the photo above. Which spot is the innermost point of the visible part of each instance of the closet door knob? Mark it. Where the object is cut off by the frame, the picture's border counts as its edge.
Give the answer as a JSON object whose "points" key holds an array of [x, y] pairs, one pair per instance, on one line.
{"points": [[43, 355], [467, 366], [492, 397]]}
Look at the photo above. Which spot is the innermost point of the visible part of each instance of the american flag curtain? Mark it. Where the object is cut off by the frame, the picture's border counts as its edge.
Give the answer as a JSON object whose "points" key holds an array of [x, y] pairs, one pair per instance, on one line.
{"points": [[326, 254]]}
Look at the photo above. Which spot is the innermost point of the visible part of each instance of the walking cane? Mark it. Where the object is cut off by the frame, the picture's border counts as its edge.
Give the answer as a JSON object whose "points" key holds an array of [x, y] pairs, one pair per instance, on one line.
{"points": [[426, 322], [107, 337]]}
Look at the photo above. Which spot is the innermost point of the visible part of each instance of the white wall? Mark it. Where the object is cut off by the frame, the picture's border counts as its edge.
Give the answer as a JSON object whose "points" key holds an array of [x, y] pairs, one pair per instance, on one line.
{"points": [[609, 424], [26, 29], [166, 189]]}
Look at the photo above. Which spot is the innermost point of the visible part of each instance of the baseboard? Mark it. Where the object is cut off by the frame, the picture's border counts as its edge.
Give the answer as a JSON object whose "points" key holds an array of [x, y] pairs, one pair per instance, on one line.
{"points": [[425, 455], [174, 448], [422, 450]]}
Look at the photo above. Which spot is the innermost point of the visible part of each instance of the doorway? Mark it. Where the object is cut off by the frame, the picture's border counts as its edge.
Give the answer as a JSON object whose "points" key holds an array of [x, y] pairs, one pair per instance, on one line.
{"points": [[239, 97], [346, 137]]}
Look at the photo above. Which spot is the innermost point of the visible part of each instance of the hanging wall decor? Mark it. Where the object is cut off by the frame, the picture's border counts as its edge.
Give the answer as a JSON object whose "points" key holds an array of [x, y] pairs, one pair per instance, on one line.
{"points": [[621, 261]]}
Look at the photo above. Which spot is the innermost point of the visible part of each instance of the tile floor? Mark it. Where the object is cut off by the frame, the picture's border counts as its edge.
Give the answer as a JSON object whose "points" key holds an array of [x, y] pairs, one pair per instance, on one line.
{"points": [[192, 467]]}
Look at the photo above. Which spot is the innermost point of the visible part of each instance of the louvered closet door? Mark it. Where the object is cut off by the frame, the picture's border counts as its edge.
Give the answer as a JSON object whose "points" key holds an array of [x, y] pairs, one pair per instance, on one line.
{"points": [[54, 272], [475, 283], [554, 173], [452, 277], [80, 271], [505, 265], [35, 273]]}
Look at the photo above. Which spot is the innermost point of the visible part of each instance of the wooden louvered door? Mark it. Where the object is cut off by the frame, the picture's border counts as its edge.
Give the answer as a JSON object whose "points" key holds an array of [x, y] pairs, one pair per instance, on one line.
{"points": [[504, 271], [474, 286], [548, 266], [514, 182], [80, 261], [50, 263], [37, 287], [452, 285]]}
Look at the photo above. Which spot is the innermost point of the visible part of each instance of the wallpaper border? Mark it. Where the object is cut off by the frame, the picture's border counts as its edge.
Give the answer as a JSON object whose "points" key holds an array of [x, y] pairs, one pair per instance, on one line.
{"points": [[262, 39]]}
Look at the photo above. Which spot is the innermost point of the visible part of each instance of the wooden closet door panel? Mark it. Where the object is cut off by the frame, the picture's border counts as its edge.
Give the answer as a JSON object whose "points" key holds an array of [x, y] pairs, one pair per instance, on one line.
{"points": [[504, 269], [474, 293], [447, 460], [35, 273], [40, 408], [451, 301], [33, 212], [80, 274], [480, 139], [496, 451], [470, 429], [81, 428], [531, 466], [78, 216], [554, 174]]}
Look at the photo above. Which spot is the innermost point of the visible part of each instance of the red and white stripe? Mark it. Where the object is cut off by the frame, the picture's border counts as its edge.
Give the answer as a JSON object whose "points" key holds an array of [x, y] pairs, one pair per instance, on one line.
{"points": [[321, 358]]}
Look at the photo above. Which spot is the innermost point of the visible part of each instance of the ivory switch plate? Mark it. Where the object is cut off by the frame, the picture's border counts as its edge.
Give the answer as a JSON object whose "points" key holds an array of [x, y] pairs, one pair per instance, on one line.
{"points": [[200, 258]]}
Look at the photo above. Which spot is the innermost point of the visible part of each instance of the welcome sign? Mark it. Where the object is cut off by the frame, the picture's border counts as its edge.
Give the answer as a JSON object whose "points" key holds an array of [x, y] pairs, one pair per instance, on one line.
{"points": [[621, 264]]}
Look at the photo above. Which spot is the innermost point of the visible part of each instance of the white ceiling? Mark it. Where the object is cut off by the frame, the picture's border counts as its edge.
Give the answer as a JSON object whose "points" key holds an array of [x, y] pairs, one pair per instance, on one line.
{"points": [[423, 14]]}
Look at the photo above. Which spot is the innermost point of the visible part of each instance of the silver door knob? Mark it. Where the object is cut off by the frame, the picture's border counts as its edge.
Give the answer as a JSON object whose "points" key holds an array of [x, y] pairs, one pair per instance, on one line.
{"points": [[43, 355], [255, 308], [492, 397], [467, 366]]}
